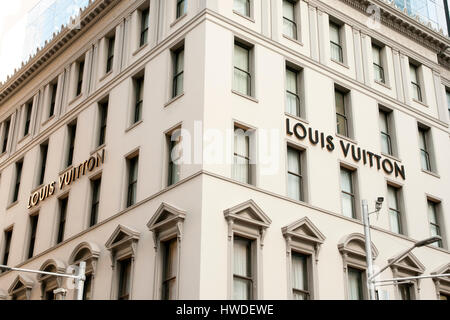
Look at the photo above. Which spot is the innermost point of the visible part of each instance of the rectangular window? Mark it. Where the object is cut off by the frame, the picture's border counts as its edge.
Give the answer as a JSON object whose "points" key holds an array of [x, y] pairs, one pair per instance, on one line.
{"points": [[424, 149], [53, 89], [124, 279], [242, 269], [300, 290], [241, 166], [355, 284], [415, 85], [435, 229], [295, 178], [406, 291], [139, 98], [347, 193], [395, 217], [289, 20], [242, 82], [87, 292], [170, 252], [242, 7], [6, 126], [181, 8], [19, 166], [178, 72], [378, 70], [103, 115], [7, 240], [28, 110], [385, 132], [132, 180], [175, 154], [72, 131], [62, 219], [110, 56], [80, 77], [448, 102], [43, 162], [292, 92], [145, 14], [335, 43], [95, 201], [33, 229], [341, 113]]}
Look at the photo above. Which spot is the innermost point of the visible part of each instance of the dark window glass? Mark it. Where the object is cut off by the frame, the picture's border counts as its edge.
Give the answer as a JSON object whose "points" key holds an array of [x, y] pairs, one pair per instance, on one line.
{"points": [[110, 57], [54, 88], [28, 109], [19, 166], [33, 228], [87, 292], [144, 27], [132, 180], [178, 72], [62, 219], [96, 184], [139, 99], [242, 269], [103, 119], [7, 237], [181, 8], [169, 269], [80, 77], [5, 135], [44, 152], [124, 279], [72, 134]]}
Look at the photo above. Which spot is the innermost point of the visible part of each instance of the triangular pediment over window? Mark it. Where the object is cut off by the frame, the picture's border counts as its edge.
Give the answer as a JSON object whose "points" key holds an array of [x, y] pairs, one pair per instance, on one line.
{"points": [[166, 216], [305, 230], [443, 269], [409, 264], [122, 235], [21, 283], [248, 213]]}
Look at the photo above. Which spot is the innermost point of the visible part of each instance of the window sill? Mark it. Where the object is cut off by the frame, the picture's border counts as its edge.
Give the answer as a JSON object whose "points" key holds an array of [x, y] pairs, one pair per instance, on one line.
{"points": [[296, 117], [245, 96], [178, 20], [172, 100], [134, 125], [106, 75], [23, 138], [420, 102], [75, 99], [346, 138], [391, 157], [431, 173], [340, 63], [48, 120], [382, 84], [243, 16], [296, 41], [12, 204], [98, 149], [140, 49]]}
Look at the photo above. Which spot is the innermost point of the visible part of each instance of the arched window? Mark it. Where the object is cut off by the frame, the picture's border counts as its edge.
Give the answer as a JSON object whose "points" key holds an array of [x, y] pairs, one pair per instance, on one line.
{"points": [[89, 253], [49, 283]]}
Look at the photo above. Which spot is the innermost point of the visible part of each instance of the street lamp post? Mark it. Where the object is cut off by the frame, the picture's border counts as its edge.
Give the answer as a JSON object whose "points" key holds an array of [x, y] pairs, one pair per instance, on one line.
{"points": [[368, 243], [79, 277]]}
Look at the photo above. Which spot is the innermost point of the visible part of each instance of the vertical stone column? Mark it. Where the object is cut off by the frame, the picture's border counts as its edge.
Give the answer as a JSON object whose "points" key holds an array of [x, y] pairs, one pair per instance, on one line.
{"points": [[404, 67], [366, 62], [313, 32], [398, 75], [440, 97], [358, 56]]}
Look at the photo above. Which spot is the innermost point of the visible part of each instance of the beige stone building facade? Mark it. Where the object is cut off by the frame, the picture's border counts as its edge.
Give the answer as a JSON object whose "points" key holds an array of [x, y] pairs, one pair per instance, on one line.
{"points": [[206, 149]]}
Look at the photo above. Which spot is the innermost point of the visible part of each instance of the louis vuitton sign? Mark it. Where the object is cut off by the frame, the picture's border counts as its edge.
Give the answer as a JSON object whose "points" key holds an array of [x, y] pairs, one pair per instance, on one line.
{"points": [[66, 179]]}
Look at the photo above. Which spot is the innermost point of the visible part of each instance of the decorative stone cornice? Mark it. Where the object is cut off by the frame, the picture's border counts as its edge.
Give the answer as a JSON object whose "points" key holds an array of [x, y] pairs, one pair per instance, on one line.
{"points": [[52, 48], [413, 28]]}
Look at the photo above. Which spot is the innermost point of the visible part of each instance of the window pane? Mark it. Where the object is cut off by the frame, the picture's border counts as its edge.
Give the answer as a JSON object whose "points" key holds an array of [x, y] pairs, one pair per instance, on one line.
{"points": [[299, 272], [376, 55], [242, 6], [394, 218], [383, 122], [346, 181], [392, 198], [340, 102], [422, 139], [291, 81], [425, 161], [241, 289], [242, 257], [288, 10], [355, 284], [347, 205], [432, 212], [294, 187], [334, 33], [413, 73], [385, 144], [294, 161], [241, 58], [171, 258]]}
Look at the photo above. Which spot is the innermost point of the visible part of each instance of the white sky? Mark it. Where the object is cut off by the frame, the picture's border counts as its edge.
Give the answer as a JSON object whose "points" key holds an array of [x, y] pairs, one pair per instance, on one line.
{"points": [[13, 19]]}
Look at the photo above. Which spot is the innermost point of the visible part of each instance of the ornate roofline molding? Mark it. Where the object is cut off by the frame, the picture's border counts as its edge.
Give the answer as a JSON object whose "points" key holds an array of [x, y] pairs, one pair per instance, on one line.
{"points": [[95, 10], [394, 18]]}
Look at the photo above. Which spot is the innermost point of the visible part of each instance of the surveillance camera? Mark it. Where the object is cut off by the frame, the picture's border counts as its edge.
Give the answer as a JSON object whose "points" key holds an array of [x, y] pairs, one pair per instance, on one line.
{"points": [[379, 203]]}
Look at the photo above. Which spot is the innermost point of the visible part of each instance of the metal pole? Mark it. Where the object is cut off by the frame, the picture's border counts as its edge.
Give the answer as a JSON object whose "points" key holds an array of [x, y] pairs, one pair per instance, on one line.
{"points": [[368, 242], [399, 257], [80, 280], [39, 272], [443, 275]]}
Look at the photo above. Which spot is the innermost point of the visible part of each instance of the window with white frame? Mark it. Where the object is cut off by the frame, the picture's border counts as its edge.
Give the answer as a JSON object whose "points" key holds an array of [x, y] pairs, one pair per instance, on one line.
{"points": [[293, 104], [143, 35], [243, 268], [343, 119], [242, 81], [384, 119], [336, 43], [289, 19], [378, 69], [447, 93], [178, 72], [408, 266], [175, 153], [295, 180], [242, 7], [424, 148], [348, 193], [434, 220], [415, 83], [242, 167], [395, 213], [138, 86], [111, 41]]}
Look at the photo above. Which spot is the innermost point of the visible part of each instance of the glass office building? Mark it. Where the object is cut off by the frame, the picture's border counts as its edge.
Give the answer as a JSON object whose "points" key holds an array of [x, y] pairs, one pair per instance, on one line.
{"points": [[432, 11], [46, 18]]}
